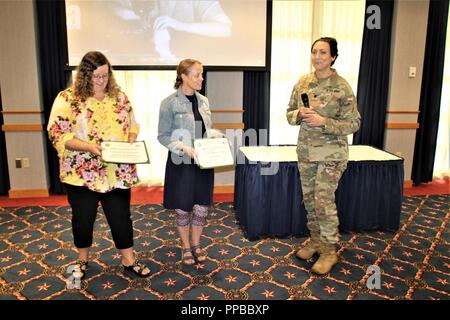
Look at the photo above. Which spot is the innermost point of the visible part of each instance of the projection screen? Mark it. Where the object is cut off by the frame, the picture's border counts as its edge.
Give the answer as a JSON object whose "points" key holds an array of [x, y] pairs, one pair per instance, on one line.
{"points": [[227, 33]]}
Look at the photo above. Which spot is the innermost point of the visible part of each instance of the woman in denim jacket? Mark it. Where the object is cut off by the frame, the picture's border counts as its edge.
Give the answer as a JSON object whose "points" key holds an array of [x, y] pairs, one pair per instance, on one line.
{"points": [[183, 117]]}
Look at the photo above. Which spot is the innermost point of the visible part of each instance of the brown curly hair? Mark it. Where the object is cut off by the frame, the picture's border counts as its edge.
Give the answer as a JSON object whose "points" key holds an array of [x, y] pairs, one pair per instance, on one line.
{"points": [[83, 86]]}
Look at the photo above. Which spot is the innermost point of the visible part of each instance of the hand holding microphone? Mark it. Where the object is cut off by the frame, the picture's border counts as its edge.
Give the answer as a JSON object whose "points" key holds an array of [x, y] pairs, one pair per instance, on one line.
{"points": [[309, 115]]}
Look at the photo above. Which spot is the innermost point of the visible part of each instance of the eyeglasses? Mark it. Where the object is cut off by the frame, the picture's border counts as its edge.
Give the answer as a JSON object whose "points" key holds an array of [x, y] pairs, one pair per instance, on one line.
{"points": [[100, 76]]}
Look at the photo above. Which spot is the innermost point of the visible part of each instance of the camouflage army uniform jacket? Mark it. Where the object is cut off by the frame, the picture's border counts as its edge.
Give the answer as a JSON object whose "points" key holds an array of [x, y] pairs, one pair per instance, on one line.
{"points": [[333, 99]]}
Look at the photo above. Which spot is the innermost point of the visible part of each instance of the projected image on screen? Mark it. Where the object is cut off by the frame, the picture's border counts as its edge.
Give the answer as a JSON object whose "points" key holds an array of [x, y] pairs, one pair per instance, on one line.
{"points": [[162, 32]]}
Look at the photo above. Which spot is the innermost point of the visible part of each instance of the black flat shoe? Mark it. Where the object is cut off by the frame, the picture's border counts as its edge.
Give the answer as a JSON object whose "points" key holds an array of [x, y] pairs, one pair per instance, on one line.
{"points": [[199, 253], [187, 257], [138, 268]]}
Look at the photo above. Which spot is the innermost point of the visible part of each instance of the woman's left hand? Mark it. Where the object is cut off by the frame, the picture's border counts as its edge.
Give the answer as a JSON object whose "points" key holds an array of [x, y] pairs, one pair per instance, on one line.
{"points": [[132, 137], [312, 118]]}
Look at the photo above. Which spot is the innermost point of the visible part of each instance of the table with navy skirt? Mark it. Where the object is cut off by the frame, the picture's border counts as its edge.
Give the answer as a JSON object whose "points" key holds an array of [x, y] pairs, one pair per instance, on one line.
{"points": [[268, 196]]}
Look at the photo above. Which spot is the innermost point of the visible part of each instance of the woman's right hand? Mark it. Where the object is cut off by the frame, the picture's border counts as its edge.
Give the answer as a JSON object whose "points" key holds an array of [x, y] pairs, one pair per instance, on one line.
{"points": [[191, 152], [304, 111], [95, 149]]}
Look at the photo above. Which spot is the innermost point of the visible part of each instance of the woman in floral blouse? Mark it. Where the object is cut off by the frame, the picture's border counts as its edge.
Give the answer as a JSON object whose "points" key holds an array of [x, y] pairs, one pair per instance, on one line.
{"points": [[91, 111]]}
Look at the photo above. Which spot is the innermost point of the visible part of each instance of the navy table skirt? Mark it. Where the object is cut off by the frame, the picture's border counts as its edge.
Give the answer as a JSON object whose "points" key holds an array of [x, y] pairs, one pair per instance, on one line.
{"points": [[369, 197]]}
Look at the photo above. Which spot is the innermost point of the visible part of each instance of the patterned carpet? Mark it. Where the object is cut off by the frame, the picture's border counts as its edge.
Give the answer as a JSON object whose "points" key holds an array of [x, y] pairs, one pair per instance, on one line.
{"points": [[36, 247]]}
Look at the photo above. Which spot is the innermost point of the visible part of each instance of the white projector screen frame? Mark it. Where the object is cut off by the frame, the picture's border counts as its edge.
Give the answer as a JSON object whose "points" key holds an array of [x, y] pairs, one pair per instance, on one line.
{"points": [[157, 34]]}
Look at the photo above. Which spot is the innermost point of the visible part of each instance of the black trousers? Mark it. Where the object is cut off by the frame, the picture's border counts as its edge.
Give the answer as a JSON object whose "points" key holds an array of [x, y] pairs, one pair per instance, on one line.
{"points": [[116, 205]]}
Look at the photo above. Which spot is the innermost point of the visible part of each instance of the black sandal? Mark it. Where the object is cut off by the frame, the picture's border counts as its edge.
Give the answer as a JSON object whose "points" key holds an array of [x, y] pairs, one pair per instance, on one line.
{"points": [[185, 258], [199, 256], [138, 269], [82, 268]]}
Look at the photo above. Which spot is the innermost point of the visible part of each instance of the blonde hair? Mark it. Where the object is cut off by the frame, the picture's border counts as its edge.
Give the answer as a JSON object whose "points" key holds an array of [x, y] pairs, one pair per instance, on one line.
{"points": [[184, 67], [83, 86]]}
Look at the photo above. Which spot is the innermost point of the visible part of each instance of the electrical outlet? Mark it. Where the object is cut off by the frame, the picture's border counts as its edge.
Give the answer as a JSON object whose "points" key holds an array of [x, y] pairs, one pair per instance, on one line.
{"points": [[26, 162], [18, 163]]}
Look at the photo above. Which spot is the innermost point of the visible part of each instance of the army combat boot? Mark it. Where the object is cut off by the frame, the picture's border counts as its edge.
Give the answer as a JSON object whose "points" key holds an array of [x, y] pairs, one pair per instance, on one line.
{"points": [[311, 248], [328, 258]]}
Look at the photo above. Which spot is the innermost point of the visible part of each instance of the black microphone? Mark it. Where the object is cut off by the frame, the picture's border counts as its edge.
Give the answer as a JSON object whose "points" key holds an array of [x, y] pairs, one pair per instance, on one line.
{"points": [[305, 100]]}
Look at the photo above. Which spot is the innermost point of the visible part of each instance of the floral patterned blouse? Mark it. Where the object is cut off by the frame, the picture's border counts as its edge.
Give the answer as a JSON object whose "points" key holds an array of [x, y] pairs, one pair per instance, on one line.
{"points": [[93, 121]]}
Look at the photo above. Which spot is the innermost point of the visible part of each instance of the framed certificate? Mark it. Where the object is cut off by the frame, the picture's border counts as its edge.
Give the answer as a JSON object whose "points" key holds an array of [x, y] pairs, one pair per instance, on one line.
{"points": [[124, 152], [213, 153]]}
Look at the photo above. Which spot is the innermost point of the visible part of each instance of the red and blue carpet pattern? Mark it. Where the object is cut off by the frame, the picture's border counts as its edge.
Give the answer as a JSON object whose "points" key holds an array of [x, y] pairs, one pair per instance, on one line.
{"points": [[36, 247]]}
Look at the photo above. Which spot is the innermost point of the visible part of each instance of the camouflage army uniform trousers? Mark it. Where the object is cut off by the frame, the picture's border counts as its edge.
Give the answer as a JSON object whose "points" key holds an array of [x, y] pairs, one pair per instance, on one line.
{"points": [[319, 182]]}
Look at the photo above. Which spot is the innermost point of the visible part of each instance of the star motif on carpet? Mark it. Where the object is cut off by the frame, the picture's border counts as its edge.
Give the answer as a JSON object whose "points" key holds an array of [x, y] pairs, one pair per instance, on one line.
{"points": [[61, 257], [398, 268], [108, 285], [170, 254], [24, 272], [203, 297], [345, 271], [330, 290], [407, 254], [44, 287], [170, 282], [255, 263], [289, 275], [231, 279], [267, 294], [388, 285]]}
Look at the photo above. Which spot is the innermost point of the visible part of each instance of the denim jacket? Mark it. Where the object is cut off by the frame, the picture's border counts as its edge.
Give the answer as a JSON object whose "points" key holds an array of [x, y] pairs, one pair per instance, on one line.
{"points": [[176, 120]]}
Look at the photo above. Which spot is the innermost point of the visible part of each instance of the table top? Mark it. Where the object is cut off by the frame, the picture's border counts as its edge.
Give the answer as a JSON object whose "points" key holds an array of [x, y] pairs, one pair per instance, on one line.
{"points": [[288, 154]]}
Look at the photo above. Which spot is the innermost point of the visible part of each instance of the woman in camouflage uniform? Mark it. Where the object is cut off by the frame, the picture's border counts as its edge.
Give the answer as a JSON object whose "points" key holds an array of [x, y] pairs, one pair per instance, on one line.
{"points": [[322, 147]]}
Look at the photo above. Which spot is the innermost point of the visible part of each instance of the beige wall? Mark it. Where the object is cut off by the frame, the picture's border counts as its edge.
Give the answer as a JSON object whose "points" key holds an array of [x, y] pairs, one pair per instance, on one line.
{"points": [[19, 81], [407, 50]]}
